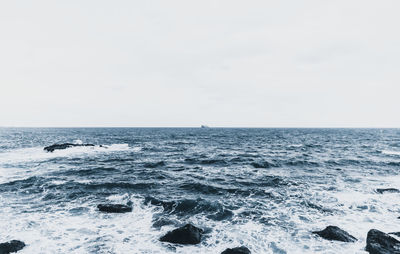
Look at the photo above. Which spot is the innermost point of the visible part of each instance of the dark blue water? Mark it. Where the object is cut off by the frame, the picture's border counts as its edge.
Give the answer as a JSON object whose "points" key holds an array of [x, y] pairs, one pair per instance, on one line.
{"points": [[266, 189]]}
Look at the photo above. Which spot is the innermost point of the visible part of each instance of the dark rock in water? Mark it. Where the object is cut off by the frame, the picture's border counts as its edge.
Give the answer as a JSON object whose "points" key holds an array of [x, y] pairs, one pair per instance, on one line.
{"points": [[390, 190], [335, 233], [381, 243], [114, 208], [237, 250], [63, 146], [187, 234], [12, 246], [262, 164]]}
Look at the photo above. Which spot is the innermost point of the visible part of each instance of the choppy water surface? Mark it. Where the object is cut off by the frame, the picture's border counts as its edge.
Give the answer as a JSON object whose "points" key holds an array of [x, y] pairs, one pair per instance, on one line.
{"points": [[266, 189]]}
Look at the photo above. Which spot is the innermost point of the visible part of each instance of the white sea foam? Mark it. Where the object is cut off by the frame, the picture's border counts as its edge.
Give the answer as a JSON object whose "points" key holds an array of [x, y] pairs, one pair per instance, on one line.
{"points": [[58, 182], [95, 232], [78, 142], [295, 145], [118, 198], [391, 152], [90, 232], [38, 154]]}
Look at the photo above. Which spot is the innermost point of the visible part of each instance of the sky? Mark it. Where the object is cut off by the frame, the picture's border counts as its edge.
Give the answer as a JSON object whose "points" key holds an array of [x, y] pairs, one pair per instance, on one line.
{"points": [[226, 63]]}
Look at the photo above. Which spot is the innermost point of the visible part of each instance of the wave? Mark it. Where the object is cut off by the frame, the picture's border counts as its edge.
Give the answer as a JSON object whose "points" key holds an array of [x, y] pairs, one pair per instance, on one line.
{"points": [[302, 163], [189, 207], [88, 171], [38, 154], [121, 185], [154, 164], [206, 161]]}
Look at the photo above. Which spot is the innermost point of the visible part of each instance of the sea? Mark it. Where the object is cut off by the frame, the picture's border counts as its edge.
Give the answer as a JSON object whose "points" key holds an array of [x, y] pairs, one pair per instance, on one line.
{"points": [[266, 189]]}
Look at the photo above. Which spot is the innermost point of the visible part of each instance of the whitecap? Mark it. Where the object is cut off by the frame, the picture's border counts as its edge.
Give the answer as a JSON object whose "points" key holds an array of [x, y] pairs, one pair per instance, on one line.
{"points": [[78, 142], [388, 152], [38, 154]]}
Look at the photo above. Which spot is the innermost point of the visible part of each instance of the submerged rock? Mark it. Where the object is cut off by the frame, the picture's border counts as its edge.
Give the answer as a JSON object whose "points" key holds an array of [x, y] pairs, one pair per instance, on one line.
{"points": [[335, 233], [187, 234], [237, 250], [114, 208], [12, 246], [390, 190], [381, 243], [63, 146]]}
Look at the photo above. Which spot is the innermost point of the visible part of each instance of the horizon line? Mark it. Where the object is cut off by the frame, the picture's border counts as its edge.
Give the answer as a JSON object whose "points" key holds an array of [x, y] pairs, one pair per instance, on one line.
{"points": [[199, 127]]}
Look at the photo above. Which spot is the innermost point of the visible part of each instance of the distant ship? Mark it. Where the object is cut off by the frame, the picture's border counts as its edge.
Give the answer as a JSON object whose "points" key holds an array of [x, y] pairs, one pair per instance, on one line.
{"points": [[204, 126]]}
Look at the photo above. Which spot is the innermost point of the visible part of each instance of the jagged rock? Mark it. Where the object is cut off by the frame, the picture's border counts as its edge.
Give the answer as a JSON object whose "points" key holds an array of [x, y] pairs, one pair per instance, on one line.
{"points": [[381, 243], [63, 146], [187, 234], [12, 246], [114, 208], [237, 250], [395, 233], [390, 190], [335, 233]]}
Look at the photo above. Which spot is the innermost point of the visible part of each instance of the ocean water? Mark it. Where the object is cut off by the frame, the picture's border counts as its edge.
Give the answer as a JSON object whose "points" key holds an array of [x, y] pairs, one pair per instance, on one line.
{"points": [[266, 189]]}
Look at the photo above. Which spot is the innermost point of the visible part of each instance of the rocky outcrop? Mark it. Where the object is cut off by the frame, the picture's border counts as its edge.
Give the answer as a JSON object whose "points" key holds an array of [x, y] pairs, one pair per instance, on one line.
{"points": [[12, 246], [63, 146], [381, 243], [114, 208], [187, 234], [389, 190], [237, 250], [336, 234]]}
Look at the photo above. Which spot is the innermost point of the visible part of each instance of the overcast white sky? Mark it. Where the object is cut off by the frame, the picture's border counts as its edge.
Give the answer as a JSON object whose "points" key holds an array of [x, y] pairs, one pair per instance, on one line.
{"points": [[186, 63]]}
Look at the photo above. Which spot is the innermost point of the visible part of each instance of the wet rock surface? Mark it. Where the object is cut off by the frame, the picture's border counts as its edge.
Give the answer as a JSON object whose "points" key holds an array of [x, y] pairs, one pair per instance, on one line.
{"points": [[54, 147], [187, 234], [114, 208], [12, 246], [379, 242], [237, 250], [335, 233], [388, 190]]}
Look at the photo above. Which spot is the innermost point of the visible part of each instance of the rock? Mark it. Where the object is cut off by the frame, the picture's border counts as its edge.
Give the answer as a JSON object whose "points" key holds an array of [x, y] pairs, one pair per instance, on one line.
{"points": [[335, 233], [114, 208], [237, 250], [381, 243], [395, 233], [390, 190], [261, 164], [63, 146], [12, 246], [187, 234]]}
